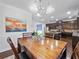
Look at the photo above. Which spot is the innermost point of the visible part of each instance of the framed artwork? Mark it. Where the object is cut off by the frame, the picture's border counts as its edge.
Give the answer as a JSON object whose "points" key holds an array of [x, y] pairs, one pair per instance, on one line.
{"points": [[15, 25]]}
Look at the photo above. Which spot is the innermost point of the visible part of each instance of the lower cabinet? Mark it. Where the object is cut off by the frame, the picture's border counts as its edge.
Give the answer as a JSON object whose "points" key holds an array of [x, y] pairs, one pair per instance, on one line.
{"points": [[75, 40]]}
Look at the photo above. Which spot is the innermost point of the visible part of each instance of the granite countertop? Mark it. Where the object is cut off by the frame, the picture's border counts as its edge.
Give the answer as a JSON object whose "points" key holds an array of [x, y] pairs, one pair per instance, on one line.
{"points": [[75, 34]]}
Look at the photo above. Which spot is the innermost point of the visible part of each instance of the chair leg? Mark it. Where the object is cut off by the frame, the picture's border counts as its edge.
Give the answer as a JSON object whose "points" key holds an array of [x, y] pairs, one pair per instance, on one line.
{"points": [[15, 57], [64, 55]]}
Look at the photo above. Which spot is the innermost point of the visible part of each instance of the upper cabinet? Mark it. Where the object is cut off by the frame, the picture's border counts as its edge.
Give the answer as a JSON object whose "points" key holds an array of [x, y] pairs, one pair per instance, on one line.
{"points": [[69, 25]]}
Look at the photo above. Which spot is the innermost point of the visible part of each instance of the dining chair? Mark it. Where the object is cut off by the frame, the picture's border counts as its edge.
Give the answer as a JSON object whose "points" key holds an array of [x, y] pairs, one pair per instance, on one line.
{"points": [[75, 54], [57, 36], [26, 35], [21, 55]]}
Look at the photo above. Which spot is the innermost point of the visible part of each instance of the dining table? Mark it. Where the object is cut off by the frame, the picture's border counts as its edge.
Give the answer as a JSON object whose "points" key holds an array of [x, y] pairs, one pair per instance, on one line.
{"points": [[44, 48]]}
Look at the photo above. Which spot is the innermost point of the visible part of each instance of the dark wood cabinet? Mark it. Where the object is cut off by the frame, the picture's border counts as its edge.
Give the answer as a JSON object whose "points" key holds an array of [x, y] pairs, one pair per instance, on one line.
{"points": [[75, 40], [51, 26], [74, 25], [77, 22], [49, 35]]}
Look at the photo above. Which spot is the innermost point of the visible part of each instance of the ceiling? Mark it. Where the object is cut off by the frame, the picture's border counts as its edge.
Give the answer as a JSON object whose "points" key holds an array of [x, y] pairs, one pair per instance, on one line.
{"points": [[61, 7]]}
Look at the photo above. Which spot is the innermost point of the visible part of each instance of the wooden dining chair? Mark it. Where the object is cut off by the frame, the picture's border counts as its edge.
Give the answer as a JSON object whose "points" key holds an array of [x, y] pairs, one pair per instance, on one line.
{"points": [[75, 54], [57, 36], [21, 55], [26, 35]]}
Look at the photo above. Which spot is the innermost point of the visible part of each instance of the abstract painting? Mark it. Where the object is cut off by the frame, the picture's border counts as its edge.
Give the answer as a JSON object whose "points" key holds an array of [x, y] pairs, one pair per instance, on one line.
{"points": [[15, 25]]}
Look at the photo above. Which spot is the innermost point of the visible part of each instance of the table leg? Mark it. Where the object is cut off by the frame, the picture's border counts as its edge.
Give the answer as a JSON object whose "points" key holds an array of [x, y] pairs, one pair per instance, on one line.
{"points": [[19, 47]]}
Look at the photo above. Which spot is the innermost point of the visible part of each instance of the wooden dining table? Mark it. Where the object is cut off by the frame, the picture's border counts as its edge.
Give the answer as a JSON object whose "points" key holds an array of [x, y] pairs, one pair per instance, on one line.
{"points": [[43, 48]]}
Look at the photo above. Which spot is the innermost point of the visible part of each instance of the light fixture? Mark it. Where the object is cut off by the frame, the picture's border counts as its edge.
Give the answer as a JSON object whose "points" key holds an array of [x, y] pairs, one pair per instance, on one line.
{"points": [[52, 17], [56, 19], [33, 8], [38, 15], [50, 9], [69, 12], [41, 8], [70, 17]]}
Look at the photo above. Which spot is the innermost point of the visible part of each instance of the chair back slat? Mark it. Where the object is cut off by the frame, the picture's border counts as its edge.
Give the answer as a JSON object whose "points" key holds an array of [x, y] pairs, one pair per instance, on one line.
{"points": [[27, 35], [57, 36], [13, 47]]}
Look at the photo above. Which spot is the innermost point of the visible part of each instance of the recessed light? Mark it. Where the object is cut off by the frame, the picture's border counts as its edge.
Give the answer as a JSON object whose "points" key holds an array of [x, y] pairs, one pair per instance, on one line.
{"points": [[52, 17], [56, 19], [69, 12], [70, 16]]}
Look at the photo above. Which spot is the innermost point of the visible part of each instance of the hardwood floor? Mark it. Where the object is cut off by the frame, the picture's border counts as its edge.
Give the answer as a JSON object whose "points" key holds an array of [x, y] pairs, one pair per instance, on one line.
{"points": [[10, 57], [6, 54]]}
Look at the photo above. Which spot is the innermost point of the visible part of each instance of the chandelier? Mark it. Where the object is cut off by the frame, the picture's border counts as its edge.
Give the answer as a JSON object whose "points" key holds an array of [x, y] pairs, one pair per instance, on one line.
{"points": [[41, 8]]}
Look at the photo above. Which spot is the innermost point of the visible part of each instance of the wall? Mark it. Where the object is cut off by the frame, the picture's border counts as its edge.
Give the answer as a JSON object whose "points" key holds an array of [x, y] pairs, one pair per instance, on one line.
{"points": [[10, 11]]}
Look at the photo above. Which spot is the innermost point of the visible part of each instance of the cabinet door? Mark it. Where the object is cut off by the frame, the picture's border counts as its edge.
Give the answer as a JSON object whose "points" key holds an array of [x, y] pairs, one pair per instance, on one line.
{"points": [[75, 40], [77, 22]]}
